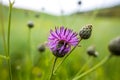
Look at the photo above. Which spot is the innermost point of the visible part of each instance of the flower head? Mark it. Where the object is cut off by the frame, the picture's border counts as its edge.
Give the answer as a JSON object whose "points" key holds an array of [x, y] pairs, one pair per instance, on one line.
{"points": [[61, 40], [114, 46], [85, 32], [91, 51]]}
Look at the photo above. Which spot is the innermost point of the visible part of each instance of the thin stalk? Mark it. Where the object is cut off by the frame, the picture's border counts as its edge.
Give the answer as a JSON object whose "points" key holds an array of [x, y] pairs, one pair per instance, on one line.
{"points": [[53, 68], [66, 56], [29, 43], [8, 39], [28, 57], [93, 68], [84, 66]]}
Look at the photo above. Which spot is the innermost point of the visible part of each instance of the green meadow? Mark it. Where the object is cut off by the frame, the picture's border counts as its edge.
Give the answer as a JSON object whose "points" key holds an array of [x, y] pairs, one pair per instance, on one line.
{"points": [[104, 29]]}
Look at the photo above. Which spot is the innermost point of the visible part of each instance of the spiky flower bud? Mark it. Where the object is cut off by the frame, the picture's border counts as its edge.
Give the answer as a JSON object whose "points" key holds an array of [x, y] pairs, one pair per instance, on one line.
{"points": [[41, 48], [92, 52], [30, 24], [114, 46], [85, 32]]}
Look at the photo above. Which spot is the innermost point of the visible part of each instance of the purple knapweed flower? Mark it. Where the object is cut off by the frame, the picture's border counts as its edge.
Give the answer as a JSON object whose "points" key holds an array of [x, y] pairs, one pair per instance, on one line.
{"points": [[61, 40]]}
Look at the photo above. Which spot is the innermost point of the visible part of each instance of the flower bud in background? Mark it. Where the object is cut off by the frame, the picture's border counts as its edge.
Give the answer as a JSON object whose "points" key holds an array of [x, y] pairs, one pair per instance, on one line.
{"points": [[37, 15], [85, 32], [41, 48], [91, 51], [79, 2], [30, 24], [114, 46]]}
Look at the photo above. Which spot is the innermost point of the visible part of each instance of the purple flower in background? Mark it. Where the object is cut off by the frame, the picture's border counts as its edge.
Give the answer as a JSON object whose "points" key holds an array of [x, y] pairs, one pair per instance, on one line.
{"points": [[61, 40]]}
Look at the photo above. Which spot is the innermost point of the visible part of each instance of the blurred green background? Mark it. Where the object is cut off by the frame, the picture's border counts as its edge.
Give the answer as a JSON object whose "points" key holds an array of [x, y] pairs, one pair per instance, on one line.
{"points": [[105, 28]]}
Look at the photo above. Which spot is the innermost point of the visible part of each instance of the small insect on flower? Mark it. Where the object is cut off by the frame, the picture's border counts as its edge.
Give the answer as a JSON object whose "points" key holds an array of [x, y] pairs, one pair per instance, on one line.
{"points": [[85, 32], [114, 46], [61, 40]]}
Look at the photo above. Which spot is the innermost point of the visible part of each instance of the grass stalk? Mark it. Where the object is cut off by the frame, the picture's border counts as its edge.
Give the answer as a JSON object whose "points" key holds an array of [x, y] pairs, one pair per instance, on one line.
{"points": [[84, 66], [53, 68], [29, 57], [29, 43], [93, 68], [8, 39]]}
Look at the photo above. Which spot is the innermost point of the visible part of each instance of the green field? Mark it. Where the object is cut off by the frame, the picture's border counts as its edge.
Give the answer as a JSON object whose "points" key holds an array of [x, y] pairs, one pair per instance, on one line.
{"points": [[104, 29]]}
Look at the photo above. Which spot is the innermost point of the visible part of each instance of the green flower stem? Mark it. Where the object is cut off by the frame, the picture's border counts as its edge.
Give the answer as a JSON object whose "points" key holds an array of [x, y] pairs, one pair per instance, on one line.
{"points": [[29, 57], [53, 68], [2, 28], [8, 39], [93, 68], [84, 66], [66, 57], [29, 44]]}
